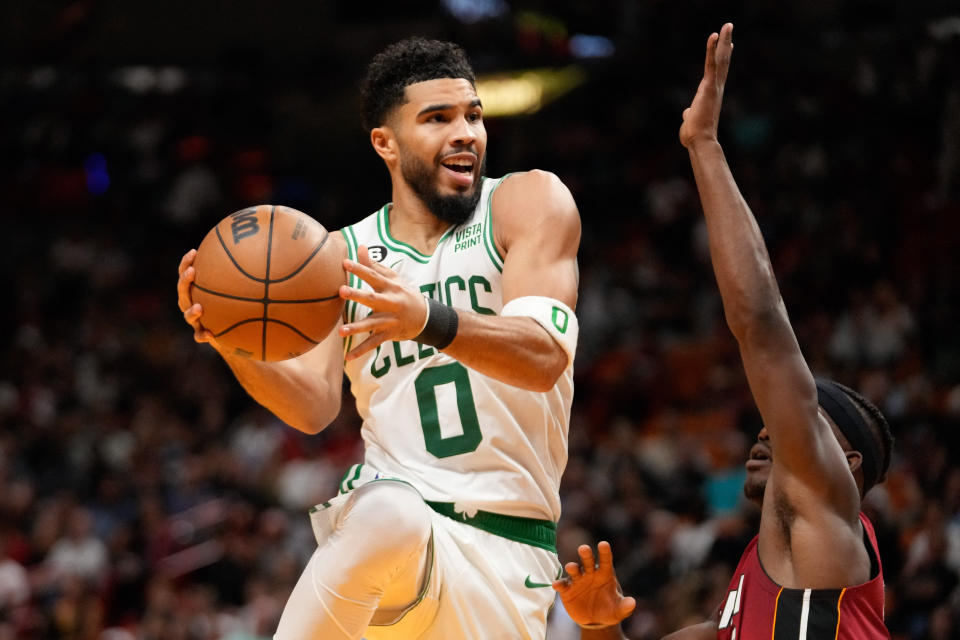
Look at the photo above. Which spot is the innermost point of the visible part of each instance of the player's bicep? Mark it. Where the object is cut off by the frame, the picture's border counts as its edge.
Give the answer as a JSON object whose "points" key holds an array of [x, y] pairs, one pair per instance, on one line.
{"points": [[785, 393], [538, 221]]}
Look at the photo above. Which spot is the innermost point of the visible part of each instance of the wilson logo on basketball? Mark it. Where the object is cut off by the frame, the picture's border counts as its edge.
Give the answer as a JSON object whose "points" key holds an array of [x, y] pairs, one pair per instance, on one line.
{"points": [[244, 224]]}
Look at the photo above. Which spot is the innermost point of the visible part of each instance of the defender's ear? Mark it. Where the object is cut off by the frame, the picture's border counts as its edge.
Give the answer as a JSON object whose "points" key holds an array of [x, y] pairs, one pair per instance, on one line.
{"points": [[854, 460]]}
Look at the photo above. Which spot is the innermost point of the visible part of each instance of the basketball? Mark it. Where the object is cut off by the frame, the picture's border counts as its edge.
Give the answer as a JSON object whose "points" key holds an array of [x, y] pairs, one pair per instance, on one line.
{"points": [[267, 278]]}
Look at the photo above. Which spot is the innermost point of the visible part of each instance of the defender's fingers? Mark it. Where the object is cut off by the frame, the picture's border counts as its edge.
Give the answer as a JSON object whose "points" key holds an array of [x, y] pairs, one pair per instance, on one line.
{"points": [[572, 569], [626, 607], [586, 558], [726, 33], [605, 556], [725, 51], [710, 64]]}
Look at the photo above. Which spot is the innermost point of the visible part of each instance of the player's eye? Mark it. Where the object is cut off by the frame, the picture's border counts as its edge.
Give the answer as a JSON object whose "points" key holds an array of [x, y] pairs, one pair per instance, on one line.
{"points": [[475, 116], [437, 117]]}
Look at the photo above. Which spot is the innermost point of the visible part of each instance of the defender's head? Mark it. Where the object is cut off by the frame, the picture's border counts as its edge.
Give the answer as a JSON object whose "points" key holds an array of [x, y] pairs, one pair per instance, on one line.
{"points": [[861, 429], [420, 104]]}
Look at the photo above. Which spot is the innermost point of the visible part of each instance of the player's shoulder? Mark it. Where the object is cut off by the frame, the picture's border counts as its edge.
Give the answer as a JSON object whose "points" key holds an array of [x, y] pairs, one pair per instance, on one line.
{"points": [[527, 195], [533, 182]]}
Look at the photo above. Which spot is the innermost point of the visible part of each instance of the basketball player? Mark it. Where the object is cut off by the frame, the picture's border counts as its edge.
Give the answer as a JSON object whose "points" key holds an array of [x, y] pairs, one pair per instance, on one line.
{"points": [[814, 569], [458, 339]]}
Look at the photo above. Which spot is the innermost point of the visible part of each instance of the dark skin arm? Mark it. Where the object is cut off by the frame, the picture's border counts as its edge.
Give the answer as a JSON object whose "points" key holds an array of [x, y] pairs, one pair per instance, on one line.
{"points": [[810, 477]]}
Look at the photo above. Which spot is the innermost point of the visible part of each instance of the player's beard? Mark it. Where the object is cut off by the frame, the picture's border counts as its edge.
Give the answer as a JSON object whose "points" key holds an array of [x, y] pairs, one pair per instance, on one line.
{"points": [[456, 208]]}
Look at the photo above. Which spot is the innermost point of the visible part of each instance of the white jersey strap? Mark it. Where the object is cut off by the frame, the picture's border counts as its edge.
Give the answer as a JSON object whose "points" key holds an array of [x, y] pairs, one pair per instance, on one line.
{"points": [[557, 318]]}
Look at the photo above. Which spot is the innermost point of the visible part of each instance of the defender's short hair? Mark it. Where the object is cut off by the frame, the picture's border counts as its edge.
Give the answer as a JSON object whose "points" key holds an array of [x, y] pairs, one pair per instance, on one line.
{"points": [[404, 63]]}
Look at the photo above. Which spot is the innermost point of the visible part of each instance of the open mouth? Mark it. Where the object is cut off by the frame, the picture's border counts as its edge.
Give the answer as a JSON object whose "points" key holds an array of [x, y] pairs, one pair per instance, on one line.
{"points": [[460, 168]]}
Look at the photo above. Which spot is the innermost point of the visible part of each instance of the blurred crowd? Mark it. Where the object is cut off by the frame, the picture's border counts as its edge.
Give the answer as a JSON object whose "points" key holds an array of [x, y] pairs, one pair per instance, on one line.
{"points": [[143, 495]]}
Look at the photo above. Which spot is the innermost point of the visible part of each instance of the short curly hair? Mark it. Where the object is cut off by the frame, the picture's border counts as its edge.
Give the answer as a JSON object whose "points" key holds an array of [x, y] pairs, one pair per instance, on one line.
{"points": [[404, 63]]}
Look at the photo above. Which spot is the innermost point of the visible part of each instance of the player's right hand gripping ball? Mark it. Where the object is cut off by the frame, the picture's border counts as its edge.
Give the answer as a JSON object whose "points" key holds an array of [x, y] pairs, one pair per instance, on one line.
{"points": [[267, 278]]}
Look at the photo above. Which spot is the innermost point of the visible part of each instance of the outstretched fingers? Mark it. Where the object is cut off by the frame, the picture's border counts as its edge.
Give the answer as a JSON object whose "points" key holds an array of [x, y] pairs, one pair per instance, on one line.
{"points": [[710, 64], [587, 560], [626, 607], [605, 556], [573, 570], [366, 273], [724, 51]]}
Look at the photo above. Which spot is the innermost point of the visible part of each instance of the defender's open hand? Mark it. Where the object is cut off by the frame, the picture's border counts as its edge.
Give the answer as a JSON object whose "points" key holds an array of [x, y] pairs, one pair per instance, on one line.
{"points": [[701, 117], [399, 309], [591, 594]]}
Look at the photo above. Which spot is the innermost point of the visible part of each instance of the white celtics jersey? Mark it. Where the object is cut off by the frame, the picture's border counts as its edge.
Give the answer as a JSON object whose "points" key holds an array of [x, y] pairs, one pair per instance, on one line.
{"points": [[456, 435]]}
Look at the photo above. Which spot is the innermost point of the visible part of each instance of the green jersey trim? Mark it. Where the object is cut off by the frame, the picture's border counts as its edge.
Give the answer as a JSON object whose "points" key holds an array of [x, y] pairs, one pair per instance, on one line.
{"points": [[350, 308], [489, 242], [531, 531], [383, 229], [349, 477]]}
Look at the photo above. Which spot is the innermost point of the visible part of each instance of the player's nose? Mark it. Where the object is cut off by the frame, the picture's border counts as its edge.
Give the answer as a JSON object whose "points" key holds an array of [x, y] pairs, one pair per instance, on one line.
{"points": [[763, 436], [463, 133]]}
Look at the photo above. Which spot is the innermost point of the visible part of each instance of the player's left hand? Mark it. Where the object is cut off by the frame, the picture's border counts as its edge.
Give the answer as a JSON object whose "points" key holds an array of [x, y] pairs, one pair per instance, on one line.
{"points": [[700, 119], [399, 309], [590, 593]]}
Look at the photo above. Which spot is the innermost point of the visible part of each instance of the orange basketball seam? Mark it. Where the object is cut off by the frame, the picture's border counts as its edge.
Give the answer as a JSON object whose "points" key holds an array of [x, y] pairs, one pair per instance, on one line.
{"points": [[303, 265], [265, 321], [221, 294], [266, 288]]}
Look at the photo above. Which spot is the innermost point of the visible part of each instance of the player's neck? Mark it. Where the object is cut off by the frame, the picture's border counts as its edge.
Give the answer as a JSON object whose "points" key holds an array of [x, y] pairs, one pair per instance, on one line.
{"points": [[413, 223]]}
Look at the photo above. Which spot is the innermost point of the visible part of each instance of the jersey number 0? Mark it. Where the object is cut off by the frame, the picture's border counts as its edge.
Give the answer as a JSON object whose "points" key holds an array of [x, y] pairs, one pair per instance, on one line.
{"points": [[426, 386]]}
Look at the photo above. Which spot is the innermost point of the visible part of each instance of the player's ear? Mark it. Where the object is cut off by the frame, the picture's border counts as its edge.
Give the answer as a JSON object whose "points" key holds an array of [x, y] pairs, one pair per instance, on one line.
{"points": [[854, 460], [384, 142]]}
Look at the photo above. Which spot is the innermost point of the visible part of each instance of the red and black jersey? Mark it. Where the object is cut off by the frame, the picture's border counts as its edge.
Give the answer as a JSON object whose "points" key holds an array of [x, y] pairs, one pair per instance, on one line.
{"points": [[757, 608]]}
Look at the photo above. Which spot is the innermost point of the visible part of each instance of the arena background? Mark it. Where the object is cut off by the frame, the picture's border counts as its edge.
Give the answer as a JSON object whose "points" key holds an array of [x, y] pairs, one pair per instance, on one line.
{"points": [[144, 495]]}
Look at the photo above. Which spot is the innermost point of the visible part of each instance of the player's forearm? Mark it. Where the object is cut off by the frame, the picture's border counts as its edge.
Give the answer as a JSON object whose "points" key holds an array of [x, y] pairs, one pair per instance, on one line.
{"points": [[299, 397], [748, 287], [514, 350]]}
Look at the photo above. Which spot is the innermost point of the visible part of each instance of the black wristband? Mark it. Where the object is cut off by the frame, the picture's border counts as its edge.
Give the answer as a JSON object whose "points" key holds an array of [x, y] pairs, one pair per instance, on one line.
{"points": [[441, 327]]}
